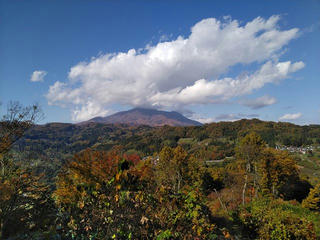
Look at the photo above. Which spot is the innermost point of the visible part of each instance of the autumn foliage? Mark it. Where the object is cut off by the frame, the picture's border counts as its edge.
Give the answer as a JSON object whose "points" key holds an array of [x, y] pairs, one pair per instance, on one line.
{"points": [[172, 192]]}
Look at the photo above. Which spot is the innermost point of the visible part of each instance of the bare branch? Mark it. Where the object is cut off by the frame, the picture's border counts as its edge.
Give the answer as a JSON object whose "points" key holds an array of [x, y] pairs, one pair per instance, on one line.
{"points": [[16, 121]]}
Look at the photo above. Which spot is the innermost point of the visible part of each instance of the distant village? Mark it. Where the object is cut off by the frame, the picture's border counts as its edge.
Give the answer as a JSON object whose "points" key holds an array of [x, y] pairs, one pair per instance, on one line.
{"points": [[291, 149], [302, 150]]}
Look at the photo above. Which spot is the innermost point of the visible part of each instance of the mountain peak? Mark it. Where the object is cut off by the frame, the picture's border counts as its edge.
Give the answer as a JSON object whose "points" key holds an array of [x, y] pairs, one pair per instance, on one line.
{"points": [[146, 116]]}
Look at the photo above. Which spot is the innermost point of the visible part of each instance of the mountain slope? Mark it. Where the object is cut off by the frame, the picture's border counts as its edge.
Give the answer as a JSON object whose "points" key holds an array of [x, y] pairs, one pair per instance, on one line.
{"points": [[151, 117]]}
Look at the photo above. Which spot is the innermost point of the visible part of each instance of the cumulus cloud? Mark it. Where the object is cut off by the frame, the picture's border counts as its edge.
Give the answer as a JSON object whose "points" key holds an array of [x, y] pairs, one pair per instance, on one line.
{"points": [[184, 71], [38, 76], [290, 116], [87, 111], [205, 91], [259, 102]]}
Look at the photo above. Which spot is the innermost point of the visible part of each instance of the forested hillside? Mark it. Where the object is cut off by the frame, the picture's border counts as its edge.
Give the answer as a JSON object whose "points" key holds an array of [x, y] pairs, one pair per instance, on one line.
{"points": [[50, 145], [64, 137], [247, 179]]}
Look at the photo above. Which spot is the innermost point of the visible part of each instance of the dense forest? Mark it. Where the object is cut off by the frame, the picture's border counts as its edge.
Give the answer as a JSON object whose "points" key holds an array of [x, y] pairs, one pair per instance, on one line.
{"points": [[49, 146], [247, 179]]}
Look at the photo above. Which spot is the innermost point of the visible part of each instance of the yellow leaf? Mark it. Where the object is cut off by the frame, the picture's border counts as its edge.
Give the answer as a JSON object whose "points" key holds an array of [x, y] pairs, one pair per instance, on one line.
{"points": [[117, 176]]}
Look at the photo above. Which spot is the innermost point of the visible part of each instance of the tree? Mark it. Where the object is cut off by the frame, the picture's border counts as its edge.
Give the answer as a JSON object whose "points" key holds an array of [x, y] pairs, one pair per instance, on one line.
{"points": [[313, 200], [179, 208], [25, 204], [248, 152], [13, 125], [276, 168], [176, 169], [15, 122], [22, 194]]}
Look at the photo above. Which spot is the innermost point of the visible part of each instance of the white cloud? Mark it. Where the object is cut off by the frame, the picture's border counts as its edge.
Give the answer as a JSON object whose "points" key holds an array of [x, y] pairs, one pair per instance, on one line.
{"points": [[38, 76], [88, 111], [184, 71], [204, 120], [199, 117], [205, 91], [259, 102], [235, 116], [290, 116], [223, 117]]}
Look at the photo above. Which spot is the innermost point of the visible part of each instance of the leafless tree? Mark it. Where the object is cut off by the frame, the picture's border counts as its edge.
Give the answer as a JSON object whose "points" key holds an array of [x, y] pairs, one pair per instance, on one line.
{"points": [[17, 120]]}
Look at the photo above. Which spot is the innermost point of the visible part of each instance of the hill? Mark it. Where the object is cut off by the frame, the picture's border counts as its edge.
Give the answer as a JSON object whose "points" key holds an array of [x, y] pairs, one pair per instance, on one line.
{"points": [[49, 146], [143, 116]]}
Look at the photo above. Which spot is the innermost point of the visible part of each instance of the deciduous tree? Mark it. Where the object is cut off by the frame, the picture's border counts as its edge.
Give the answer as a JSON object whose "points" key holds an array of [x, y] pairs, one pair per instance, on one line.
{"points": [[313, 200], [249, 152]]}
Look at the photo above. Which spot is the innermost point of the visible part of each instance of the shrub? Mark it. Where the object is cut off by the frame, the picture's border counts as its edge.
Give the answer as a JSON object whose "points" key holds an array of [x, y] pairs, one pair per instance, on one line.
{"points": [[270, 219]]}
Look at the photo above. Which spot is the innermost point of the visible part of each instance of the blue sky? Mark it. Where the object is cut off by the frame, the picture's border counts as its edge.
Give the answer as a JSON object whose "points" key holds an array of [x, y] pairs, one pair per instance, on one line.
{"points": [[73, 58]]}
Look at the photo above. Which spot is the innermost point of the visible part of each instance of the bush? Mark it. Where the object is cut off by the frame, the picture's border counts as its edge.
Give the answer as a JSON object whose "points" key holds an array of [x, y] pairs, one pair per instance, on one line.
{"points": [[270, 219]]}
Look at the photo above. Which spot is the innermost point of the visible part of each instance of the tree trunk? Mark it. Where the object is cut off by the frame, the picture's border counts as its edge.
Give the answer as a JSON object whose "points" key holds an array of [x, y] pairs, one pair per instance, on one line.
{"points": [[1, 228], [244, 189], [273, 190], [221, 203], [255, 185], [2, 167]]}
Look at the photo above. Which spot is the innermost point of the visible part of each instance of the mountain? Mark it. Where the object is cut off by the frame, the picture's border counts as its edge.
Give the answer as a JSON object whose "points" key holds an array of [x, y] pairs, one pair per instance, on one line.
{"points": [[143, 116]]}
